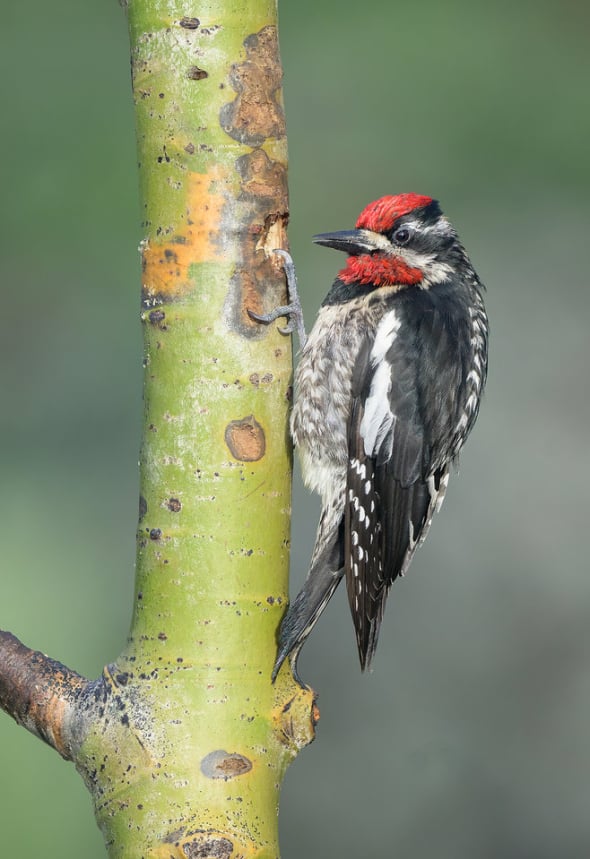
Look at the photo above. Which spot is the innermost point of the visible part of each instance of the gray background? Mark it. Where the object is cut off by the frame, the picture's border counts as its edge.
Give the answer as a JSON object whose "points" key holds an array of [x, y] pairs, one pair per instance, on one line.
{"points": [[470, 739]]}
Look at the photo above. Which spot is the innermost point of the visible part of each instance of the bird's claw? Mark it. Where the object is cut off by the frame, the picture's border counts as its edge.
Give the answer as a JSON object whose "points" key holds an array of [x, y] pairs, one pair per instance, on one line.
{"points": [[289, 328], [292, 310], [267, 318]]}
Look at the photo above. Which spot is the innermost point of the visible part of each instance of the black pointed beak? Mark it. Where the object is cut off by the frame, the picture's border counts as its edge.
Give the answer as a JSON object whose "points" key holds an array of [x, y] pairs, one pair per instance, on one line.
{"points": [[350, 241]]}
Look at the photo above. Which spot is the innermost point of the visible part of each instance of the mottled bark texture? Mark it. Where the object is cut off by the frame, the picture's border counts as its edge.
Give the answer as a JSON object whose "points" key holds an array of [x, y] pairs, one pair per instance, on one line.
{"points": [[183, 742]]}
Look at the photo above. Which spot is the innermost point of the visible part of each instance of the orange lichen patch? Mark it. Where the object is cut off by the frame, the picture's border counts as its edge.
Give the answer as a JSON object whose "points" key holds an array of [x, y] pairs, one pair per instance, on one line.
{"points": [[245, 439], [168, 851], [165, 265]]}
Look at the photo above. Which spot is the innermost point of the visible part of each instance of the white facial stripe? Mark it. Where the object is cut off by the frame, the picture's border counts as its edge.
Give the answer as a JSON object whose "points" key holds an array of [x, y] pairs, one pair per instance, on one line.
{"points": [[433, 271], [377, 241], [441, 227]]}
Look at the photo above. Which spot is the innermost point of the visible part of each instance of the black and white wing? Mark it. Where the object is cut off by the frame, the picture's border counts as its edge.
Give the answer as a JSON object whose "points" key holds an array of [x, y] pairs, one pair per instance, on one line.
{"points": [[398, 465]]}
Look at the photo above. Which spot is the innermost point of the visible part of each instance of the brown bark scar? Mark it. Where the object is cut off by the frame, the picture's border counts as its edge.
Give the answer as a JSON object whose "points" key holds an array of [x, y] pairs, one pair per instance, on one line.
{"points": [[264, 193], [208, 846], [255, 117], [245, 439], [256, 113], [225, 765]]}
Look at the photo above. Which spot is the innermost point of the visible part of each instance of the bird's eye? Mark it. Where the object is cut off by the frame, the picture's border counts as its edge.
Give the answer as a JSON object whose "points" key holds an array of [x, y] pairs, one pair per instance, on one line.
{"points": [[402, 235]]}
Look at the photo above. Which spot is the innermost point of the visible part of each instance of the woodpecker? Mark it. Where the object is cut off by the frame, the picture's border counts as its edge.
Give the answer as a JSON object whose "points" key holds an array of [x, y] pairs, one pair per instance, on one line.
{"points": [[387, 389]]}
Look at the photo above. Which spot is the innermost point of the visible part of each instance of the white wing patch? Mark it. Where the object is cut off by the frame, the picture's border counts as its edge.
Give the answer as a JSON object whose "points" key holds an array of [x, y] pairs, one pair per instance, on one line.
{"points": [[378, 419]]}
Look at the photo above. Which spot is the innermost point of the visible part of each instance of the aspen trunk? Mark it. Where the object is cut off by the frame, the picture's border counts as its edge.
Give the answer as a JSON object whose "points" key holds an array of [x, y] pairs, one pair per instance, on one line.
{"points": [[183, 741]]}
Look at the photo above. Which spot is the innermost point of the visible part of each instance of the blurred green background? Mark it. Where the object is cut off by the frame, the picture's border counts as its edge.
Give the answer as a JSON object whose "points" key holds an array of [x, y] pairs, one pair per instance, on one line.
{"points": [[471, 738]]}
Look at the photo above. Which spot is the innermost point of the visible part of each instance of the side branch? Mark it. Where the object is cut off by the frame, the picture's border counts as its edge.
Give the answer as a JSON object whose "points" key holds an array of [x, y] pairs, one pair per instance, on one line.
{"points": [[40, 694]]}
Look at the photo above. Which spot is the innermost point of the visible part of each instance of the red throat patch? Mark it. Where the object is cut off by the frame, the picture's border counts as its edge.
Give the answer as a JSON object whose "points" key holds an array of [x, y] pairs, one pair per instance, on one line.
{"points": [[381, 214], [379, 270]]}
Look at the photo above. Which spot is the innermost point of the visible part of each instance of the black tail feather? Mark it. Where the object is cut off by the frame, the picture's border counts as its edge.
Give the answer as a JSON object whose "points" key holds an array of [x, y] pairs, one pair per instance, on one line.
{"points": [[322, 580], [403, 513]]}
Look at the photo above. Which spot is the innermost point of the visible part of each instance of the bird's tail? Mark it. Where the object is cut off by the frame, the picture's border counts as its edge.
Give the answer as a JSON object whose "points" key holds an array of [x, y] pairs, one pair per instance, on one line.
{"points": [[322, 580]]}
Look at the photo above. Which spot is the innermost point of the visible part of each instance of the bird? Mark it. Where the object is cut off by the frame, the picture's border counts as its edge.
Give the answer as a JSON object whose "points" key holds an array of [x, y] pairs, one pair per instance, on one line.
{"points": [[387, 389]]}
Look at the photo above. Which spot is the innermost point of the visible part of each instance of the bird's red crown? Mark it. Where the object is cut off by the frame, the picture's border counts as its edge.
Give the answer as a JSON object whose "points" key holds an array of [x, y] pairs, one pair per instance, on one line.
{"points": [[384, 269], [381, 214]]}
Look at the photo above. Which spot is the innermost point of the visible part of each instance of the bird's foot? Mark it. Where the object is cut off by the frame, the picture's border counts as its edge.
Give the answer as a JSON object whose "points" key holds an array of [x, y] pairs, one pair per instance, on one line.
{"points": [[293, 657], [292, 310]]}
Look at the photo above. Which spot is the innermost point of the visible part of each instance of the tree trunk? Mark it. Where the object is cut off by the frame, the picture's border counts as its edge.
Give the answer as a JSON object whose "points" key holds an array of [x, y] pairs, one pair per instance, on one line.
{"points": [[183, 742]]}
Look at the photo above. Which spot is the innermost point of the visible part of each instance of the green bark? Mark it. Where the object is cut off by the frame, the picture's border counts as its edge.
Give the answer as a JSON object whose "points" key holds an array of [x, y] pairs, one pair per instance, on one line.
{"points": [[184, 741], [206, 741]]}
